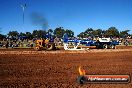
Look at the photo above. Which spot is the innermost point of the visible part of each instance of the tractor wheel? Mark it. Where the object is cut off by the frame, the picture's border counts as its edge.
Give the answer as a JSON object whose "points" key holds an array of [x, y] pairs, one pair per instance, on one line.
{"points": [[50, 46], [113, 47], [37, 48], [105, 46]]}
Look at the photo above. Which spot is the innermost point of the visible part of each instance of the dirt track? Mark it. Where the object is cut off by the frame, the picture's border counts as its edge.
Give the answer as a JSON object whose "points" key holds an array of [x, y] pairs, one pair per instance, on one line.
{"points": [[42, 69]]}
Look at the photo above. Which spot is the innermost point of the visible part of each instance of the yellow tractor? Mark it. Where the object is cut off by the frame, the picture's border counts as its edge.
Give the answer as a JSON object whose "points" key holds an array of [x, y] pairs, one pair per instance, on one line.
{"points": [[45, 44]]}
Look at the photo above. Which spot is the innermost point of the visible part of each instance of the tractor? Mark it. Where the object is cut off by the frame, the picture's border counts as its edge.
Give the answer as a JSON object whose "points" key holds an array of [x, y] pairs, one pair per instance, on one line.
{"points": [[44, 44]]}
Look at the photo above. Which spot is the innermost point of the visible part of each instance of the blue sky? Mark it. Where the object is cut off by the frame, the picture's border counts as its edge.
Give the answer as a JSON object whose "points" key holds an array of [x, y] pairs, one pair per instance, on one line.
{"points": [[77, 15]]}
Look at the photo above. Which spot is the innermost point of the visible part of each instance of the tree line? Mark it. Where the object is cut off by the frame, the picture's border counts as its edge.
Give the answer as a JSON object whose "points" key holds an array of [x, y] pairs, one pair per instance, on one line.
{"points": [[110, 32], [60, 31]]}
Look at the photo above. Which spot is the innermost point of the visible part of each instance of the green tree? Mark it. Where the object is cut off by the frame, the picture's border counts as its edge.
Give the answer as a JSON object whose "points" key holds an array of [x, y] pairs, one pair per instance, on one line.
{"points": [[82, 35], [2, 36], [29, 35], [59, 32], [70, 33], [97, 32], [13, 33], [103, 33], [50, 31], [124, 34], [112, 31], [39, 33], [22, 34], [35, 33], [88, 32]]}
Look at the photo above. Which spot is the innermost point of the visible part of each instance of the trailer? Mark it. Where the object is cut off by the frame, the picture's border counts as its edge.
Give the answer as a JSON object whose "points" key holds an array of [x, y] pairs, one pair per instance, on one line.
{"points": [[106, 43], [99, 43]]}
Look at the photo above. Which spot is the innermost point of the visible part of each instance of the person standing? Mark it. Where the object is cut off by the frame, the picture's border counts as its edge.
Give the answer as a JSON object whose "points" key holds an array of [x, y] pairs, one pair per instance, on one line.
{"points": [[7, 44]]}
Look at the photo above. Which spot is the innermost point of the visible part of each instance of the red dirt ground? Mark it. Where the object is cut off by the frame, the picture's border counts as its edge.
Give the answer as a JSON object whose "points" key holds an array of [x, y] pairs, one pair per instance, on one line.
{"points": [[53, 69]]}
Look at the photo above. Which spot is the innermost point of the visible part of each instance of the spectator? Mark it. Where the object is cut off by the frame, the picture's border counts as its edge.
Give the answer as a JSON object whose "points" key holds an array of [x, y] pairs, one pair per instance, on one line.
{"points": [[7, 44], [126, 43], [56, 41]]}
